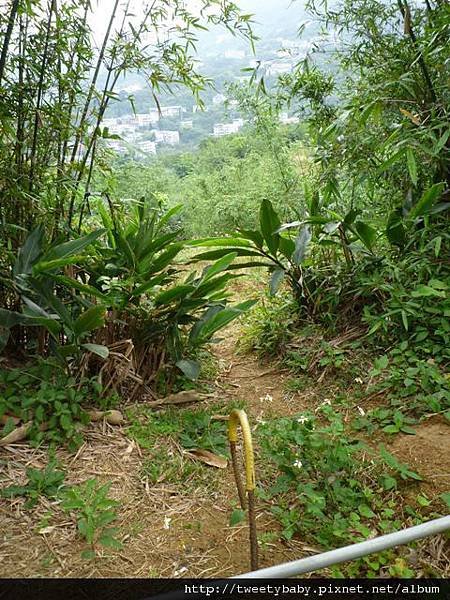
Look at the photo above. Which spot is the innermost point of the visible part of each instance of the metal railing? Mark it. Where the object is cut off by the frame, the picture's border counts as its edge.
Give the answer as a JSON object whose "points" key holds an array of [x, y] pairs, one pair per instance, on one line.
{"points": [[346, 553], [317, 561]]}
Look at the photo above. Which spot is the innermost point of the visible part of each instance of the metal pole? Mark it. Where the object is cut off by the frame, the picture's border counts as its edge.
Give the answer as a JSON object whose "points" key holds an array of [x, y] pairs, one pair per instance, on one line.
{"points": [[334, 557]]}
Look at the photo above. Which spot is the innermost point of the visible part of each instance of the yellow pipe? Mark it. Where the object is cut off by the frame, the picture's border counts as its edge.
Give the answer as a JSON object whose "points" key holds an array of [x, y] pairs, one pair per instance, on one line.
{"points": [[238, 417]]}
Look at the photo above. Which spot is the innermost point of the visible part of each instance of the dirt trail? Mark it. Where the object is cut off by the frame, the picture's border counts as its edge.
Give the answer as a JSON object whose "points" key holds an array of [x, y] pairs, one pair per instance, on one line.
{"points": [[171, 530]]}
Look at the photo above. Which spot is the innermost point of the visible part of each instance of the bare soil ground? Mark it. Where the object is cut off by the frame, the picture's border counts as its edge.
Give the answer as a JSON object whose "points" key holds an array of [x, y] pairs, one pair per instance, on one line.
{"points": [[181, 529]]}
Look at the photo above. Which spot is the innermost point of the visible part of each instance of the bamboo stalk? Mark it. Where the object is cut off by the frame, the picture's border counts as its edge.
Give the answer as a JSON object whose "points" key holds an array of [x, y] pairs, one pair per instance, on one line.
{"points": [[7, 38], [52, 7]]}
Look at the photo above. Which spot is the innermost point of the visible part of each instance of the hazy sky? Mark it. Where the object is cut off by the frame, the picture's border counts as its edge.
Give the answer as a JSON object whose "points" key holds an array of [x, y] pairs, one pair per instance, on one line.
{"points": [[265, 11]]}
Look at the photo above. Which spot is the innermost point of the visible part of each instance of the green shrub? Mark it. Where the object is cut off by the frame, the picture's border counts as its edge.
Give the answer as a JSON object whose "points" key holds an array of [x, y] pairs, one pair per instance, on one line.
{"points": [[94, 511], [53, 401], [328, 487], [41, 482]]}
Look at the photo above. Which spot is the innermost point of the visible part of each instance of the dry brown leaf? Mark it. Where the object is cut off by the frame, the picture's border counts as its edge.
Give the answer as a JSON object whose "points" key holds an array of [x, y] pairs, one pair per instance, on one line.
{"points": [[20, 433], [414, 118], [5, 418], [209, 458]]}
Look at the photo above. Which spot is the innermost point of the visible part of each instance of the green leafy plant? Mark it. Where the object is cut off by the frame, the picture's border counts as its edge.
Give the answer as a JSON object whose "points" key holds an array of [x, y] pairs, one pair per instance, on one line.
{"points": [[94, 511], [41, 482], [396, 467], [324, 485], [45, 396]]}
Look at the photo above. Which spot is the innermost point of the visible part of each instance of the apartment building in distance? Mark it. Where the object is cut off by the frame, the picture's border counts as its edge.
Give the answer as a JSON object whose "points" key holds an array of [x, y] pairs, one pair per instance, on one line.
{"points": [[147, 146], [167, 137], [221, 129]]}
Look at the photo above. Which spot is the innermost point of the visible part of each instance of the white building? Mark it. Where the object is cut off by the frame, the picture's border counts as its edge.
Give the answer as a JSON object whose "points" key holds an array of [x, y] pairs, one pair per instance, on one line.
{"points": [[221, 129], [285, 119], [167, 137], [187, 124], [278, 67], [171, 111], [147, 119], [116, 145], [147, 146], [219, 99]]}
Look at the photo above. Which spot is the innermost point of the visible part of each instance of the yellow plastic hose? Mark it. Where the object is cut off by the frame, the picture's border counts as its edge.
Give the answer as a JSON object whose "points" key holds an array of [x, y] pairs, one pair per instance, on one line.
{"points": [[239, 417]]}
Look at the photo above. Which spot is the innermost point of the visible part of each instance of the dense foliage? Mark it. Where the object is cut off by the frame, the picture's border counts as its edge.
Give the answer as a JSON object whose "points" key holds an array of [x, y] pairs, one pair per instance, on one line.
{"points": [[115, 275]]}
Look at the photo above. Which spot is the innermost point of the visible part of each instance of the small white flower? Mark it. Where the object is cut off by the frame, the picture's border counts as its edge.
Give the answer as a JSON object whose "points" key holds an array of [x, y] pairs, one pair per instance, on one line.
{"points": [[266, 398], [167, 522], [361, 411], [298, 464], [302, 420], [358, 380]]}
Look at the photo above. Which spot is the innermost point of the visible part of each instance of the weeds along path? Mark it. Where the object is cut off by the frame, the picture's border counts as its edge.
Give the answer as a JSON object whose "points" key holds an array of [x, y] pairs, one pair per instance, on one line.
{"points": [[174, 514], [176, 526]]}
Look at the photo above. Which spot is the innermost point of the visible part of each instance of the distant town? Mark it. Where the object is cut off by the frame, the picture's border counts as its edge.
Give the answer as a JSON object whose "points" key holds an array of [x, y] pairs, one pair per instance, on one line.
{"points": [[141, 134]]}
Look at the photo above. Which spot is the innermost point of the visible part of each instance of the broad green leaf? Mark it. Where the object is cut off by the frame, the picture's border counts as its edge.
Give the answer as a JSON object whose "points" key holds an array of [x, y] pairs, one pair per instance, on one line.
{"points": [[427, 200], [110, 542], [174, 294], [216, 254], [366, 233], [155, 245], [164, 259], [381, 362], [221, 319], [43, 266], [148, 285], [91, 319], [127, 251], [269, 223], [33, 310], [73, 247], [405, 320], [190, 368], [301, 244], [446, 498], [275, 280], [438, 284], [9, 318], [169, 214], [412, 165], [221, 241], [29, 252], [423, 291], [351, 216], [287, 246], [237, 516], [70, 282], [395, 231], [250, 265], [366, 511], [221, 265], [253, 236], [217, 283], [65, 422], [102, 351]]}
